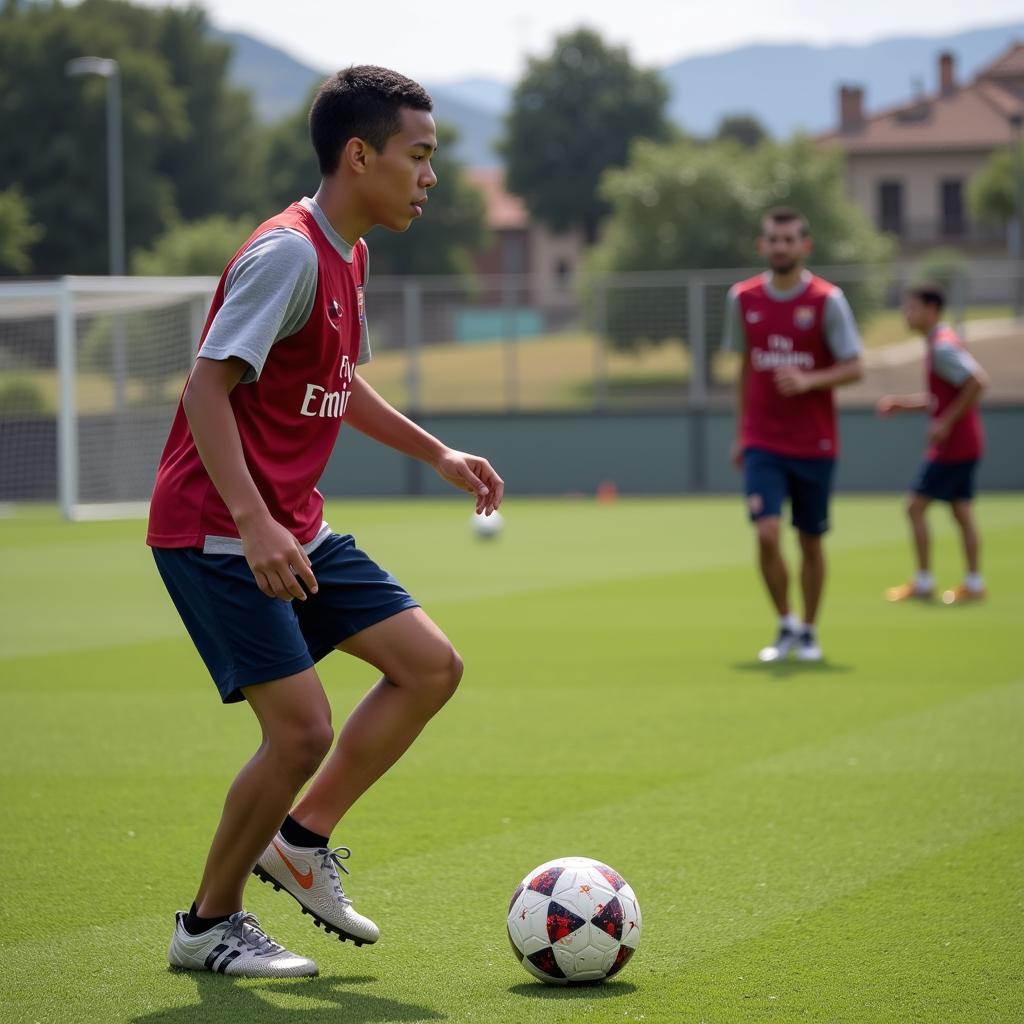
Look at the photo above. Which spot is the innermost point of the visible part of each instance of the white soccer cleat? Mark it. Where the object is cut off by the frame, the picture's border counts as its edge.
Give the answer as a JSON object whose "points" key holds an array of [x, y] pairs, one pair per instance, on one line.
{"points": [[310, 875], [237, 946], [784, 644], [807, 648]]}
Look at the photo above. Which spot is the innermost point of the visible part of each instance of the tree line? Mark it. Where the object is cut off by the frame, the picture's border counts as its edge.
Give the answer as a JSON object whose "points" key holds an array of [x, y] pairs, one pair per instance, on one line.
{"points": [[587, 144]]}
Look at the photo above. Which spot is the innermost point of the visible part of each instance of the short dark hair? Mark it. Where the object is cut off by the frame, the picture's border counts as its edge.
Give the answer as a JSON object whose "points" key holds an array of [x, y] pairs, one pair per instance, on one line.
{"points": [[360, 102], [930, 293], [787, 215]]}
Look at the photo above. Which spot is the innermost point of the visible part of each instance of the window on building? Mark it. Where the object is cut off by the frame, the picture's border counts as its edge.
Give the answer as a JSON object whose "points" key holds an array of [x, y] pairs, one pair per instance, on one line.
{"points": [[951, 207], [890, 206], [513, 253], [563, 271]]}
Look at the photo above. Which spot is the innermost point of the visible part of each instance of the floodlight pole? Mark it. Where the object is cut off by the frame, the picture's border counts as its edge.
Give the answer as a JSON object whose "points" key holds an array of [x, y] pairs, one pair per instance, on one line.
{"points": [[109, 69]]}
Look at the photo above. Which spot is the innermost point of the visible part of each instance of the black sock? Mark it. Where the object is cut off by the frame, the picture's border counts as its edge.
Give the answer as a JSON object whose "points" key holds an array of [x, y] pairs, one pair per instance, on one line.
{"points": [[298, 835], [196, 925]]}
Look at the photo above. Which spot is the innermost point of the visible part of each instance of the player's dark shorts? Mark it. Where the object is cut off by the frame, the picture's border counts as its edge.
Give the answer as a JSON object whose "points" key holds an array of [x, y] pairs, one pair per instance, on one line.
{"points": [[946, 481], [245, 637], [769, 479]]}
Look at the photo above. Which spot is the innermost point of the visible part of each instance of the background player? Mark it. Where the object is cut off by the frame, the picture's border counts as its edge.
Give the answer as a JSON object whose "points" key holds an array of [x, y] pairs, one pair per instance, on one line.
{"points": [[263, 585], [799, 341], [955, 443]]}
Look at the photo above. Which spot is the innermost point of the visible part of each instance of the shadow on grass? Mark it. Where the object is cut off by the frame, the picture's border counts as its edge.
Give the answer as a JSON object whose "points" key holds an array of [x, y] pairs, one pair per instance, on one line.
{"points": [[232, 999], [785, 669], [599, 990]]}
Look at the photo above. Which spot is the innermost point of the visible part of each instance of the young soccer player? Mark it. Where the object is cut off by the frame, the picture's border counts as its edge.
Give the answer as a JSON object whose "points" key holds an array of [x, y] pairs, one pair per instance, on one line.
{"points": [[799, 341], [955, 444], [264, 586]]}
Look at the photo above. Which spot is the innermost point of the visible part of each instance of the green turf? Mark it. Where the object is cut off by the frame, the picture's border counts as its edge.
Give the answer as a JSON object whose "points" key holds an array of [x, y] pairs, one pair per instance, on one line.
{"points": [[833, 843]]}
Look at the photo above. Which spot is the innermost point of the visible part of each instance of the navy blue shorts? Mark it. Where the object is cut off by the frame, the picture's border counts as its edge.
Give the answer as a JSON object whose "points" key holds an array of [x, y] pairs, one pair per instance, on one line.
{"points": [[946, 481], [768, 479], [245, 637]]}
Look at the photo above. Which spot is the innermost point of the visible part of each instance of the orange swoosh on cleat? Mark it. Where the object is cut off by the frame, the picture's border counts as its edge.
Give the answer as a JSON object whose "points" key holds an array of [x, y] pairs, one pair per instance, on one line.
{"points": [[306, 880]]}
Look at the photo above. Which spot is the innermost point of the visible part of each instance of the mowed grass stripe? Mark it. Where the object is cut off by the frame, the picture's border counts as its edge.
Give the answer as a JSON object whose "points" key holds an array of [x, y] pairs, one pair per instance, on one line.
{"points": [[88, 585], [790, 848]]}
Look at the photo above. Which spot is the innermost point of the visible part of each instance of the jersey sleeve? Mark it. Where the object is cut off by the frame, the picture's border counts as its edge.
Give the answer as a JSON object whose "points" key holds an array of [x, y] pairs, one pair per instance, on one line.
{"points": [[732, 326], [365, 355], [841, 334], [953, 364], [268, 295]]}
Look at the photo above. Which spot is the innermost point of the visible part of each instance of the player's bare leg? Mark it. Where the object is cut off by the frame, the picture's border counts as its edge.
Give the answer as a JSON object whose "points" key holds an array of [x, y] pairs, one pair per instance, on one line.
{"points": [[420, 672], [812, 585], [296, 722], [922, 585], [916, 507], [773, 565], [812, 574], [776, 580], [973, 586]]}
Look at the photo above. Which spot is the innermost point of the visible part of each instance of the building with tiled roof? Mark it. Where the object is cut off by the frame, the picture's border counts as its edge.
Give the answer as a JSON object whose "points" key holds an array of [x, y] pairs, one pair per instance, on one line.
{"points": [[908, 167], [521, 246]]}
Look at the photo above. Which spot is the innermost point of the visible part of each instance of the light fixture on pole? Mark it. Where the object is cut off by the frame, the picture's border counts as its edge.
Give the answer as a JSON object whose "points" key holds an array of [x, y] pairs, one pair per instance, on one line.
{"points": [[109, 69]]}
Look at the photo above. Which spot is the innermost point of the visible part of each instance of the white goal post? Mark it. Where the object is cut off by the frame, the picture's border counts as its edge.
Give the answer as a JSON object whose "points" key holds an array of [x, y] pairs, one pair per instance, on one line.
{"points": [[90, 373]]}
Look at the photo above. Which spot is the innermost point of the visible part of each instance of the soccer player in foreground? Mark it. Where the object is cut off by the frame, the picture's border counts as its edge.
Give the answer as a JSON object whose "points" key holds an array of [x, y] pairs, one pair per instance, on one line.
{"points": [[264, 586], [955, 444], [799, 341]]}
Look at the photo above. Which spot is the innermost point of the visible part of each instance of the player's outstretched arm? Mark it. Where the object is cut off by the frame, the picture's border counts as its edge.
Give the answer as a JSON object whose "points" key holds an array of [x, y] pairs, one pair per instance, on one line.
{"points": [[373, 416], [889, 405], [275, 557]]}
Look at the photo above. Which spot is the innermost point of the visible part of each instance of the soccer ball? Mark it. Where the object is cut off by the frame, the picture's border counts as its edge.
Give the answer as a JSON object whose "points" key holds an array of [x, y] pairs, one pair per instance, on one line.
{"points": [[487, 527], [573, 919]]}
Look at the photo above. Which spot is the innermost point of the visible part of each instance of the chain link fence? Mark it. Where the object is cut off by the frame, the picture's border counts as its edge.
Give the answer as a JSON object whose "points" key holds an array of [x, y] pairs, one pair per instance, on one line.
{"points": [[624, 341]]}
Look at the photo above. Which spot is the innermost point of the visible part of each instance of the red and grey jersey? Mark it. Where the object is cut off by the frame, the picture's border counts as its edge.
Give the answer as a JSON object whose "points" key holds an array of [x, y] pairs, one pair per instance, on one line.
{"points": [[949, 367], [291, 403], [808, 327]]}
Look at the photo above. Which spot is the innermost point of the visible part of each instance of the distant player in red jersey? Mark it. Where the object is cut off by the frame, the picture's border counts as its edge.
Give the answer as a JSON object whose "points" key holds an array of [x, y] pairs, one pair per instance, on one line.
{"points": [[263, 585], [956, 444], [799, 341]]}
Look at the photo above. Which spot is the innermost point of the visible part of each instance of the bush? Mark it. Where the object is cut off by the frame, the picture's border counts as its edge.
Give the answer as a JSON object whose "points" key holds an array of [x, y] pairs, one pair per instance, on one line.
{"points": [[21, 396]]}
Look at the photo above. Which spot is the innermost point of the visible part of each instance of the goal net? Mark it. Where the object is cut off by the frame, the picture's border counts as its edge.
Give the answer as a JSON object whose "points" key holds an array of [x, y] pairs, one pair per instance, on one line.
{"points": [[90, 373]]}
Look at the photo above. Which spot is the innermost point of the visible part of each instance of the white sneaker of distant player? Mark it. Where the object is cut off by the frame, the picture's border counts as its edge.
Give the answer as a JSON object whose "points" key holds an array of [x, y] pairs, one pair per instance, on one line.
{"points": [[237, 946], [310, 876], [785, 642], [807, 647]]}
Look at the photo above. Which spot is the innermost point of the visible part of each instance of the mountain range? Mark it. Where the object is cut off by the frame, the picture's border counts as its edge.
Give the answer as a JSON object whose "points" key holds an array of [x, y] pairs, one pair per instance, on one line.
{"points": [[787, 87]]}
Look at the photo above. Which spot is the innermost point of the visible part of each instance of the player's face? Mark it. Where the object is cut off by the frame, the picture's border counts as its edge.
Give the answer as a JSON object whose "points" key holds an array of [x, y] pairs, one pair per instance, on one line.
{"points": [[919, 315], [401, 174], [783, 245]]}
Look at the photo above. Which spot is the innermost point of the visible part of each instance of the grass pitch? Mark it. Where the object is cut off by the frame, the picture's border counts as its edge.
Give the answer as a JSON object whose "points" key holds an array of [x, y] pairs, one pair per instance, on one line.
{"points": [[834, 843]]}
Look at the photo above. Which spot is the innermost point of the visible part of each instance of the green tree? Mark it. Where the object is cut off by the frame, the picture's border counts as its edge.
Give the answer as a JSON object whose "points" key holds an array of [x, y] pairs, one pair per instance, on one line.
{"points": [[574, 115], [453, 225], [992, 191], [742, 128], [196, 248], [186, 136], [684, 206], [17, 232]]}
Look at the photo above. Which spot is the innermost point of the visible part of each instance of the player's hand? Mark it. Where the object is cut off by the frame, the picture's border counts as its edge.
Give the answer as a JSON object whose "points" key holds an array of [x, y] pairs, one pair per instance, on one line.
{"points": [[790, 380], [473, 474], [938, 431], [887, 405], [277, 560], [736, 454]]}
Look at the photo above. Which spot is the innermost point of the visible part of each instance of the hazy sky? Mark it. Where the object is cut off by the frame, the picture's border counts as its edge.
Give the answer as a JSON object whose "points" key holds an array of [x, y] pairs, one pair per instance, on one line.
{"points": [[447, 39]]}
